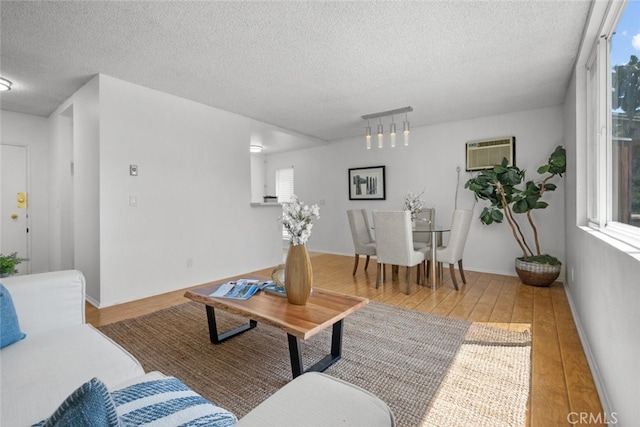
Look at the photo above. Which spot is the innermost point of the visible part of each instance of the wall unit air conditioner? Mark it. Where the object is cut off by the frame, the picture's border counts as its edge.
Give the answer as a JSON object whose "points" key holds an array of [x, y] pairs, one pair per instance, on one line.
{"points": [[488, 152]]}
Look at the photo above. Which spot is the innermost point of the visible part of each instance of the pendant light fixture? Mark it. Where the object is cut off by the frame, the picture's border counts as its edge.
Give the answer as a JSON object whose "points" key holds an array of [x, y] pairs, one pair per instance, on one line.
{"points": [[392, 126]]}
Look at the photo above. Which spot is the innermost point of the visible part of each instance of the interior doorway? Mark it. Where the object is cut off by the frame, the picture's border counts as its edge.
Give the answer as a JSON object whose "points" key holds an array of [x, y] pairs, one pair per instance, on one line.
{"points": [[14, 203], [67, 208]]}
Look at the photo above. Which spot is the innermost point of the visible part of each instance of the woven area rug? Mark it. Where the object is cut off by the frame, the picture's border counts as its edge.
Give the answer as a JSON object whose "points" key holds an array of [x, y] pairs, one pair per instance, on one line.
{"points": [[431, 370]]}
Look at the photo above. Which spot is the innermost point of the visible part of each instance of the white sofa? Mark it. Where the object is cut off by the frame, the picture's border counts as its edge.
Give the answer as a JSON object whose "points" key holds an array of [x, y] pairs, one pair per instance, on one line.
{"points": [[61, 352]]}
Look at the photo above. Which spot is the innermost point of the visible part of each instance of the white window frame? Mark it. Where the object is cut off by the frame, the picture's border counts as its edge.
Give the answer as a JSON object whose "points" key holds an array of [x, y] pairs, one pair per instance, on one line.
{"points": [[285, 189], [285, 184], [596, 135], [600, 186]]}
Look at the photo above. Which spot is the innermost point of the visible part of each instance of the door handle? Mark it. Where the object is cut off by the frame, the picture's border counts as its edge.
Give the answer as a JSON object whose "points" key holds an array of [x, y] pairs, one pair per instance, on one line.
{"points": [[21, 200]]}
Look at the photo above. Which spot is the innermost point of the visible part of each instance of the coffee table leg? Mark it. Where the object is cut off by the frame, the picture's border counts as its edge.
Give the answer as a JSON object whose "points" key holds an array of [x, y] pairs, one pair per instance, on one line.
{"points": [[295, 355], [297, 367], [213, 329]]}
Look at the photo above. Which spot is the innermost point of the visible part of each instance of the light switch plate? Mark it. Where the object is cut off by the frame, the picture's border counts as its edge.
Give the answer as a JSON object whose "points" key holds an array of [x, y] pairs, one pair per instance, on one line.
{"points": [[133, 170]]}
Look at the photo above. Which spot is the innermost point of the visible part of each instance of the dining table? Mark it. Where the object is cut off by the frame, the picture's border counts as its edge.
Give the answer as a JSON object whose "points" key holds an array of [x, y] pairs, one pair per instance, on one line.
{"points": [[435, 231]]}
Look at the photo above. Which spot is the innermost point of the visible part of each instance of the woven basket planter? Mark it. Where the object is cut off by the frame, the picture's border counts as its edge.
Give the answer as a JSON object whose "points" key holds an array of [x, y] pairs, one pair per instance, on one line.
{"points": [[536, 274]]}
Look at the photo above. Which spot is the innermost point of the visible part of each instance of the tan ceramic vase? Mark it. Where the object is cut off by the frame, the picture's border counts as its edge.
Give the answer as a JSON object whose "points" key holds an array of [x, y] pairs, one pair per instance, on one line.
{"points": [[298, 276]]}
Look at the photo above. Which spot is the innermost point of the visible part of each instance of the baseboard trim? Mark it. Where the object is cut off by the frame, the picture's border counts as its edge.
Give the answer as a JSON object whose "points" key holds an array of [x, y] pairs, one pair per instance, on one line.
{"points": [[597, 379], [92, 301], [466, 268]]}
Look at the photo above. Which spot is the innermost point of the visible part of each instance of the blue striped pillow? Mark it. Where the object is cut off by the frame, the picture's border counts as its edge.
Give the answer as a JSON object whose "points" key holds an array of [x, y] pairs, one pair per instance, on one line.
{"points": [[88, 406], [168, 401]]}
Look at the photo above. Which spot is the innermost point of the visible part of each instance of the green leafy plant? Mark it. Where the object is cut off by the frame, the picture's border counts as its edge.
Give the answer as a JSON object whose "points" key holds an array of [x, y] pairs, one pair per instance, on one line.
{"points": [[499, 186], [8, 263]]}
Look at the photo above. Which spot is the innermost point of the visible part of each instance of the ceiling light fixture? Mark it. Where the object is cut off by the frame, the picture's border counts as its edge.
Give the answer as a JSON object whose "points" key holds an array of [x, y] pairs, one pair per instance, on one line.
{"points": [[255, 148], [392, 127], [5, 84]]}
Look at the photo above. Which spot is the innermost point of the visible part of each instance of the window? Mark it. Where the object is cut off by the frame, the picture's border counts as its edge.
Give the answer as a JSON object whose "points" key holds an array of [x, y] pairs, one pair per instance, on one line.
{"points": [[613, 126], [625, 118], [284, 184], [284, 190]]}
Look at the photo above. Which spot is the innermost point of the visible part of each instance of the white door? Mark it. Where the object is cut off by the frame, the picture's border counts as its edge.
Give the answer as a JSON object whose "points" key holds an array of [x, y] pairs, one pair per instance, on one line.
{"points": [[14, 203]]}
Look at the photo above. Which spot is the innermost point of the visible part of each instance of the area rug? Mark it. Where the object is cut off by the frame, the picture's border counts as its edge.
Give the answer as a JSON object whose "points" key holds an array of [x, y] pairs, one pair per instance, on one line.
{"points": [[430, 370]]}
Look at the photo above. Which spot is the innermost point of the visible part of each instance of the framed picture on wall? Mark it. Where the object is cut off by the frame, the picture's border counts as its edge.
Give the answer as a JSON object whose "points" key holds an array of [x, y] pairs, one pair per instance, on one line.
{"points": [[367, 183]]}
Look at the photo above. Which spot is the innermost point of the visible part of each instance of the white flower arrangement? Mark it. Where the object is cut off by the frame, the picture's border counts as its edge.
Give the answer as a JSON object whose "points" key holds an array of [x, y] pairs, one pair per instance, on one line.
{"points": [[297, 219], [413, 203]]}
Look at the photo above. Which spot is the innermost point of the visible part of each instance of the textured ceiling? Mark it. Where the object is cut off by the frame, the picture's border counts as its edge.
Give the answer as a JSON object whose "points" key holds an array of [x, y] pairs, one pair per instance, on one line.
{"points": [[310, 67]]}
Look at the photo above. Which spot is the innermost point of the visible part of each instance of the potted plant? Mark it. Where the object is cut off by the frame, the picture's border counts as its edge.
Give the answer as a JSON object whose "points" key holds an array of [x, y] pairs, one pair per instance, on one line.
{"points": [[297, 220], [414, 204], [499, 186], [8, 264]]}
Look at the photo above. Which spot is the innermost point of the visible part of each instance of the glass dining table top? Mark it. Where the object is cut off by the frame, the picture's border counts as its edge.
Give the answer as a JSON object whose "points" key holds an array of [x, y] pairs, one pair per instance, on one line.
{"points": [[430, 228]]}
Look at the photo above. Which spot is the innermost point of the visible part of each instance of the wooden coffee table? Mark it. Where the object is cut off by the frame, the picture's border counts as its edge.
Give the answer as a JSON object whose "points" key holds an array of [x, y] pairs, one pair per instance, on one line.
{"points": [[324, 309]]}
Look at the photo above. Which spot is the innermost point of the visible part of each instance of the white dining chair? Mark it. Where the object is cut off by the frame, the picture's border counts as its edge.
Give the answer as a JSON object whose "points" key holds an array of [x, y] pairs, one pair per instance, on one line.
{"points": [[425, 216], [452, 253], [363, 240], [394, 245]]}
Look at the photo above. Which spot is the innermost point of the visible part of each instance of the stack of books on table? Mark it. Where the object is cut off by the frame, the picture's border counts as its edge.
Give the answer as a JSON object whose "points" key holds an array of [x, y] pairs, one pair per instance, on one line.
{"points": [[271, 287]]}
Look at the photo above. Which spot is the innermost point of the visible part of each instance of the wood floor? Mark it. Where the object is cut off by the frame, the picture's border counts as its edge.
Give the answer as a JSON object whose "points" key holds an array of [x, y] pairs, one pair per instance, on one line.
{"points": [[561, 382]]}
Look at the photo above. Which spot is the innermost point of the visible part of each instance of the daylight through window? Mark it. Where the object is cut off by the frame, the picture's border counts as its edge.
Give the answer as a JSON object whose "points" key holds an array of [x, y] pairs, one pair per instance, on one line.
{"points": [[613, 127], [284, 184]]}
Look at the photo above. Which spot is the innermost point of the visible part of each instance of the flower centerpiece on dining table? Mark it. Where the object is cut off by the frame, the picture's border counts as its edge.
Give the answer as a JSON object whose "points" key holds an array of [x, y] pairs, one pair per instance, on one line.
{"points": [[297, 219], [414, 204]]}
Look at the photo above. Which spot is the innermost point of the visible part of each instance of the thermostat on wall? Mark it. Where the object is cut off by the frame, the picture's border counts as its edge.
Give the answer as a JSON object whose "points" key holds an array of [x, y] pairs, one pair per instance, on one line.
{"points": [[133, 170]]}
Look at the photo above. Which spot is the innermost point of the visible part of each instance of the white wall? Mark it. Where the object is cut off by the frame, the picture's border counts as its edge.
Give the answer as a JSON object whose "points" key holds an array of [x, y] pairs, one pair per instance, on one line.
{"points": [[193, 222], [32, 132], [258, 186], [81, 113], [430, 163], [193, 195], [604, 291]]}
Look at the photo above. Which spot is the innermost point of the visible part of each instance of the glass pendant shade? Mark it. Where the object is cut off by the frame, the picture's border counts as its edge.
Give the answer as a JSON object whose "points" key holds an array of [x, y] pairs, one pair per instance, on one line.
{"points": [[406, 133], [392, 134], [380, 136], [368, 137]]}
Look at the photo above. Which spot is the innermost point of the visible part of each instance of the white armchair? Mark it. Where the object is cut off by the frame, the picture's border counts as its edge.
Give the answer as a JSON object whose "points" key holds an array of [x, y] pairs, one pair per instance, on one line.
{"points": [[48, 301], [60, 351]]}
